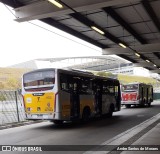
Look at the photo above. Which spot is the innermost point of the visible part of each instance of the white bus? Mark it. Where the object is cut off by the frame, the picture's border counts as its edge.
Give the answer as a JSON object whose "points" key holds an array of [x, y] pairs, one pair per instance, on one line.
{"points": [[136, 94], [67, 95]]}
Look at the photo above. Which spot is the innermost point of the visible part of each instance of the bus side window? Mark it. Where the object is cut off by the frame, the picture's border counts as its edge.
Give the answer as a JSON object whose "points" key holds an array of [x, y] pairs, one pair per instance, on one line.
{"points": [[64, 86], [111, 90], [75, 86], [71, 86], [63, 82], [105, 89], [86, 86]]}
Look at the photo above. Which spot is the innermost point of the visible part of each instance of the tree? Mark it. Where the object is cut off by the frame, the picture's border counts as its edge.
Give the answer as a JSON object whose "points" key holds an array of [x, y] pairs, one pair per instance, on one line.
{"points": [[105, 74]]}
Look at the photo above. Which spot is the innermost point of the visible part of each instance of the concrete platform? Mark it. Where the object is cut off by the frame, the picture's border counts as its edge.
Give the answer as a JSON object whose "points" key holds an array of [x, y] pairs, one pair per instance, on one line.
{"points": [[150, 138]]}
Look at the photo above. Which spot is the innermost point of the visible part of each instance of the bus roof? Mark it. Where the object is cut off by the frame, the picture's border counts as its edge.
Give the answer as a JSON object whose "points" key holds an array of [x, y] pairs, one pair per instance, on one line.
{"points": [[75, 71]]}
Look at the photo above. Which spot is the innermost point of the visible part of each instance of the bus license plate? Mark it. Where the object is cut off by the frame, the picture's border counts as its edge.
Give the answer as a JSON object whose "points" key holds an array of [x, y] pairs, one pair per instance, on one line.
{"points": [[40, 116], [45, 116], [37, 116]]}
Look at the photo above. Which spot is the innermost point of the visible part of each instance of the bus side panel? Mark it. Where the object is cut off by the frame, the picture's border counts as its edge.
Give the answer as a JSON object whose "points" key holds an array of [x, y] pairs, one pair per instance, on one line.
{"points": [[87, 100], [39, 102], [107, 100], [65, 105], [105, 103]]}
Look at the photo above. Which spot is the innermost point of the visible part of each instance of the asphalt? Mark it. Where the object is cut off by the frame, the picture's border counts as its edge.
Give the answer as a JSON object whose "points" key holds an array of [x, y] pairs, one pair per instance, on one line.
{"points": [[18, 124], [143, 138]]}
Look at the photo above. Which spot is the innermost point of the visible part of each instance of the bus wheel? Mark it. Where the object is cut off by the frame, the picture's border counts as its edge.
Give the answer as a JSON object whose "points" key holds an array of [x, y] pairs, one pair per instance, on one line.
{"points": [[128, 106], [110, 113], [144, 103], [149, 104], [58, 122], [86, 115]]}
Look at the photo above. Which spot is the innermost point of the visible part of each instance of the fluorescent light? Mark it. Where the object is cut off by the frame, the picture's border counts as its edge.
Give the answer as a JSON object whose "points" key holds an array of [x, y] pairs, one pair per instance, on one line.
{"points": [[155, 65], [148, 61], [98, 30], [122, 45], [56, 3], [137, 54]]}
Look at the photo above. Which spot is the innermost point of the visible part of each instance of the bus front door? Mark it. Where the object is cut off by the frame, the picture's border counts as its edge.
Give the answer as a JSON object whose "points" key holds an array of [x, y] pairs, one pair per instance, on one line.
{"points": [[75, 102], [98, 98]]}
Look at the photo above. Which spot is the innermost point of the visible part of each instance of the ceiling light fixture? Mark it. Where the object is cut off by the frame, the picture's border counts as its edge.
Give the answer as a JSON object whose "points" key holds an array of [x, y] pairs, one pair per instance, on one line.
{"points": [[155, 65], [148, 61], [56, 3], [122, 45], [137, 54], [97, 30]]}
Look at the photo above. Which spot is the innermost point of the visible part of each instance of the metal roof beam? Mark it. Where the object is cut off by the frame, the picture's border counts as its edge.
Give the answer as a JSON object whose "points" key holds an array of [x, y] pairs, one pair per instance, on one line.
{"points": [[148, 68], [43, 9], [89, 23], [11, 3], [124, 24], [127, 58], [142, 49], [157, 54], [69, 30], [117, 51], [155, 71], [143, 64], [151, 13]]}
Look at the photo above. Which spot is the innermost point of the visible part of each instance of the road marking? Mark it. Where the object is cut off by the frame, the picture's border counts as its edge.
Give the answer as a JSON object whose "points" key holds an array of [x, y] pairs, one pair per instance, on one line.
{"points": [[123, 137]]}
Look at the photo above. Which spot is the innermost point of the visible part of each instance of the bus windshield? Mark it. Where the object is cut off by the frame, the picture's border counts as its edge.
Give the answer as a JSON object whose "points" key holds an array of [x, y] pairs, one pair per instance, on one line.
{"points": [[131, 87], [39, 79]]}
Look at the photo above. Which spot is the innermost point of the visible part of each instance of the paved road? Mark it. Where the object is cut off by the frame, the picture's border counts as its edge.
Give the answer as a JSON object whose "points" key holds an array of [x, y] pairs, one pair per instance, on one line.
{"points": [[95, 132]]}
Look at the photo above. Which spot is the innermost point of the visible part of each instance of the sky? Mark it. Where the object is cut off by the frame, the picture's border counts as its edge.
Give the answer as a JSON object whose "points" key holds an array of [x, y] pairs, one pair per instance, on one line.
{"points": [[20, 42]]}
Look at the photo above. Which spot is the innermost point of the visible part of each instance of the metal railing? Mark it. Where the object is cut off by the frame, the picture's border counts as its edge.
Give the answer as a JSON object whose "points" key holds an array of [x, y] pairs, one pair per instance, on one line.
{"points": [[11, 107]]}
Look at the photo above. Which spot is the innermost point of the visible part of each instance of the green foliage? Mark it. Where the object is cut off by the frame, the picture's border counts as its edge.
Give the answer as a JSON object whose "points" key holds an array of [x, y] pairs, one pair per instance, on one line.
{"points": [[131, 78], [104, 74], [10, 78]]}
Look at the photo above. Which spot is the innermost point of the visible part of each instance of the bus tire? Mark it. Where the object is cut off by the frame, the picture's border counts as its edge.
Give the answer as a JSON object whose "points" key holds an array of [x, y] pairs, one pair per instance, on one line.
{"points": [[58, 122], [128, 106], [143, 103], [149, 103], [86, 114], [110, 113]]}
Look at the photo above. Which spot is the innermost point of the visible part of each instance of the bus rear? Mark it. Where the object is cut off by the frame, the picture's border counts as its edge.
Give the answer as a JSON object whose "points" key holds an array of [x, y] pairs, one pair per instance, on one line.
{"points": [[130, 94], [39, 93]]}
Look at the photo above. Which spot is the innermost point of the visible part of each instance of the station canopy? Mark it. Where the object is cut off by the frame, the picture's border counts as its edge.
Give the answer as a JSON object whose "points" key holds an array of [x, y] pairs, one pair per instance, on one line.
{"points": [[127, 28]]}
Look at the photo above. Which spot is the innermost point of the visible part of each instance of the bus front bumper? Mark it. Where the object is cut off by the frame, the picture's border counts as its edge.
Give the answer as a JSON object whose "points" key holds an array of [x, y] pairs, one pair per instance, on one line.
{"points": [[130, 102], [45, 116], [39, 116]]}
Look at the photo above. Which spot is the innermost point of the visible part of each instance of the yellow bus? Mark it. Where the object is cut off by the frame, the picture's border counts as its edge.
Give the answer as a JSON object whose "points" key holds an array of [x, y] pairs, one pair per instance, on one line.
{"points": [[68, 95]]}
